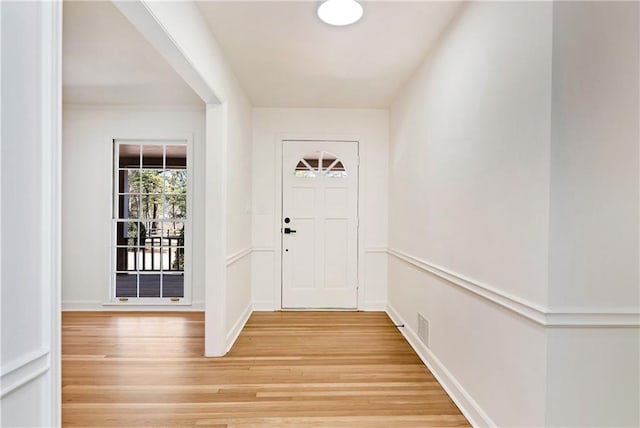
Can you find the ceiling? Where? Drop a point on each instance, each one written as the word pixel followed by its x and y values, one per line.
pixel 284 56
pixel 281 53
pixel 107 61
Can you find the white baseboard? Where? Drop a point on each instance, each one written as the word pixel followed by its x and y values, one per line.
pixel 467 405
pixel 375 306
pixel 371 306
pixel 235 331
pixel 82 305
pixel 264 306
pixel 99 306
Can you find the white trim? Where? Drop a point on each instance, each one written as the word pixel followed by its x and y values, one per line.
pixel 22 361
pixel 237 256
pixel 23 370
pixel 264 306
pixel 137 107
pixel 186 139
pixel 235 331
pixel 277 219
pixel 1 145
pixel 465 402
pixel 374 250
pixel 558 318
pixel 593 319
pixel 98 306
pixel 521 307
pixel 49 361
pixel 375 306
pixel 263 249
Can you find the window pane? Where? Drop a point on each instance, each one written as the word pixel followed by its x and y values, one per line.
pixel 313 163
pixel 151 181
pixel 175 206
pixel 172 285
pixel 327 160
pixel 132 181
pixel 172 232
pixel 149 285
pixel 175 181
pixel 128 181
pixel 127 259
pixel 152 156
pixel 336 170
pixel 151 206
pixel 151 259
pixel 128 206
pixel 128 232
pixel 304 174
pixel 154 239
pixel 176 229
pixel 172 259
pixel 176 157
pixel 126 284
pixel 129 156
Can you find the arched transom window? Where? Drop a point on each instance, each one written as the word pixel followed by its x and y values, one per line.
pixel 320 163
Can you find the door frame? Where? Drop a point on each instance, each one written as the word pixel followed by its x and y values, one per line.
pixel 277 222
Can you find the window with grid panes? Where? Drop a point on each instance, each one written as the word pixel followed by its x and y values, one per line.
pixel 150 212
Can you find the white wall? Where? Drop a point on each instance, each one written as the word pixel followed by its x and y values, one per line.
pixel 594 373
pixel 594 158
pixel 30 217
pixel 87 188
pixel 593 377
pixel 514 216
pixel 238 240
pixel 468 207
pixel 370 128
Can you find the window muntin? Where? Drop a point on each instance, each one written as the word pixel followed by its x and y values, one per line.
pixel 150 210
pixel 320 163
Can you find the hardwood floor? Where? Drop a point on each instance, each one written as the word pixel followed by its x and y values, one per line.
pixel 287 369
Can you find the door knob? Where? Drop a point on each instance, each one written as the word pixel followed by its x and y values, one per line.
pixel 288 230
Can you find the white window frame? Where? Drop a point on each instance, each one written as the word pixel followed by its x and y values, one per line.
pixel 188 236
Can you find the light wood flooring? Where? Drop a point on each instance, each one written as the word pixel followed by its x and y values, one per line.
pixel 287 369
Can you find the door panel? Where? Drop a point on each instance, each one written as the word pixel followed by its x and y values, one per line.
pixel 320 200
pixel 336 253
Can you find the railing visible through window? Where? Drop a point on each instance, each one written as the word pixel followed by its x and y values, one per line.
pixel 150 211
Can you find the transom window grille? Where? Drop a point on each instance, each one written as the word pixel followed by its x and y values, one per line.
pixel 150 212
pixel 320 163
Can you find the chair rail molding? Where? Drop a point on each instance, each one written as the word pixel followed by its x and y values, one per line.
pixel 239 255
pixel 556 318
pixel 22 371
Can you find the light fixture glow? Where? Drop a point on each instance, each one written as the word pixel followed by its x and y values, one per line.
pixel 340 12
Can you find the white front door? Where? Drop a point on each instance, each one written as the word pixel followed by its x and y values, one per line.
pixel 320 225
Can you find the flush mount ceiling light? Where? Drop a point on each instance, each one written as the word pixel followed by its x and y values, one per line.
pixel 340 12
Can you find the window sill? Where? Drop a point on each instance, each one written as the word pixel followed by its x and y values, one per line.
pixel 155 303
